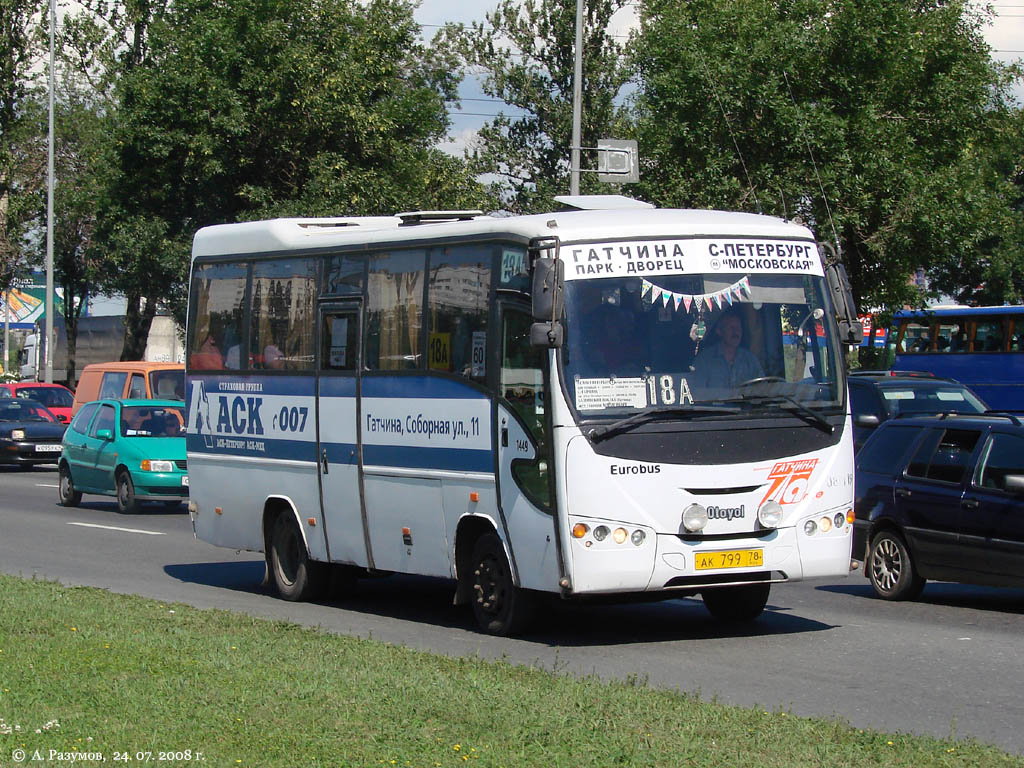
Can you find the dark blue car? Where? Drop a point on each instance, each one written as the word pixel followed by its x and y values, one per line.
pixel 941 498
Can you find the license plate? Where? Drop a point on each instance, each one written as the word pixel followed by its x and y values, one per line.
pixel 733 558
pixel 47 449
pixel 184 480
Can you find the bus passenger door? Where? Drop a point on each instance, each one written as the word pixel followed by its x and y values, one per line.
pixel 524 452
pixel 337 434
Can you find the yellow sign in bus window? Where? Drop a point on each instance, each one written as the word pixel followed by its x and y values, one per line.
pixel 439 352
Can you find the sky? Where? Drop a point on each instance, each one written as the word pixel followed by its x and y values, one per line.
pixel 1005 36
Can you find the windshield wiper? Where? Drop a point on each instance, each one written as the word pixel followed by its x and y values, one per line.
pixel 796 405
pixel 600 433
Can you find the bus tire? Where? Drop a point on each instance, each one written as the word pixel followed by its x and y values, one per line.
pixel 741 603
pixel 296 577
pixel 891 568
pixel 127 503
pixel 69 497
pixel 500 607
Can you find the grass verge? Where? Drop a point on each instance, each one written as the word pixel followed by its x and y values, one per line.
pixel 86 672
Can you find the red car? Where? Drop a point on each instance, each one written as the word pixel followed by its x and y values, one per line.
pixel 56 397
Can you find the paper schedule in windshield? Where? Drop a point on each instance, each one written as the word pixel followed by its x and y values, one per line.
pixel 601 394
pixel 631 392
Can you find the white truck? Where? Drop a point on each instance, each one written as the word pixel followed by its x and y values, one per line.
pixel 100 340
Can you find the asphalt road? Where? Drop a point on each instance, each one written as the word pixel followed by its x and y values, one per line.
pixel 950 664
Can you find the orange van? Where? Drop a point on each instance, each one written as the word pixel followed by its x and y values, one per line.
pixel 129 381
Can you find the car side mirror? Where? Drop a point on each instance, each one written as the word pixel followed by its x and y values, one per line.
pixel 866 420
pixel 1014 484
pixel 104 434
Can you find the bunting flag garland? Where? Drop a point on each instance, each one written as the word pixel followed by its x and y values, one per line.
pixel 738 291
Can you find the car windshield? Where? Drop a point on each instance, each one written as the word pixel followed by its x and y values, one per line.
pixel 168 384
pixel 19 411
pixel 51 397
pixel 754 340
pixel 152 421
pixel 922 398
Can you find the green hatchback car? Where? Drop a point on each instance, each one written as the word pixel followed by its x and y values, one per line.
pixel 132 449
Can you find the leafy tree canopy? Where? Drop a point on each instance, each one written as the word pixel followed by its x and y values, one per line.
pixel 883 123
pixel 525 52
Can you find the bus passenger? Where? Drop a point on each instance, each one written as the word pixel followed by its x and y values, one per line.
pixel 208 357
pixel 725 364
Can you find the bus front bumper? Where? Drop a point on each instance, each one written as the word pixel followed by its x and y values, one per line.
pixel 665 562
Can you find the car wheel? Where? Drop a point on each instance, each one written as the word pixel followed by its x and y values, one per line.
pixel 296 577
pixel 737 604
pixel 69 497
pixel 127 503
pixel 891 568
pixel 500 607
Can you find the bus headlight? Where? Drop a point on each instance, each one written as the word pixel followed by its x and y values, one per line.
pixel 601 532
pixel 839 519
pixel 638 537
pixel 770 514
pixel 695 517
pixel 810 527
pixel 619 535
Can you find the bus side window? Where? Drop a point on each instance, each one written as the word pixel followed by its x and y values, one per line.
pixel 283 298
pixel 988 336
pixel 458 301
pixel 394 310
pixel 218 324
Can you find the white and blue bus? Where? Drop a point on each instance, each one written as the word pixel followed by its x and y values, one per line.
pixel 614 401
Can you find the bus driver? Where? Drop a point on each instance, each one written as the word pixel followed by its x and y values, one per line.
pixel 725 364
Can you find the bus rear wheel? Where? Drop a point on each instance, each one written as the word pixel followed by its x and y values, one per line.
pixel 296 577
pixel 500 607
pixel 742 603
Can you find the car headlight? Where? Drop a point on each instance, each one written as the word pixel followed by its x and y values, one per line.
pixel 149 465
pixel 17 434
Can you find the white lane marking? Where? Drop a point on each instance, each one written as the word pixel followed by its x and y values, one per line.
pixel 115 528
pixel 46 485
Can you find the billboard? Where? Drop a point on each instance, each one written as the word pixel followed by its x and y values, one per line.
pixel 27 305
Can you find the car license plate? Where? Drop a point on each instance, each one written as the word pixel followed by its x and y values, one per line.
pixel 733 558
pixel 40 448
pixel 184 480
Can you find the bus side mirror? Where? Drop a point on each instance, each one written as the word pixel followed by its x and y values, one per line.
pixel 851 330
pixel 547 335
pixel 548 284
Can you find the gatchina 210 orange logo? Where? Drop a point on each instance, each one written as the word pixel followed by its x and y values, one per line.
pixel 789 481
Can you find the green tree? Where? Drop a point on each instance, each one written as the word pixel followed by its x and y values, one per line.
pixel 525 53
pixel 259 108
pixel 876 121
pixel 79 144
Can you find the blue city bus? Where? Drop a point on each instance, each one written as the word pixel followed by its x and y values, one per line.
pixel 982 347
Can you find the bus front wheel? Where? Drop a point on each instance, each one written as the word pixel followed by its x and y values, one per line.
pixel 741 603
pixel 296 577
pixel 501 608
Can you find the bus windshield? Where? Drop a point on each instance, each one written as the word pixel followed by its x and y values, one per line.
pixel 754 340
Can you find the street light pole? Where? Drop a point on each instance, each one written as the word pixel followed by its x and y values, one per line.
pixel 48 349
pixel 577 105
